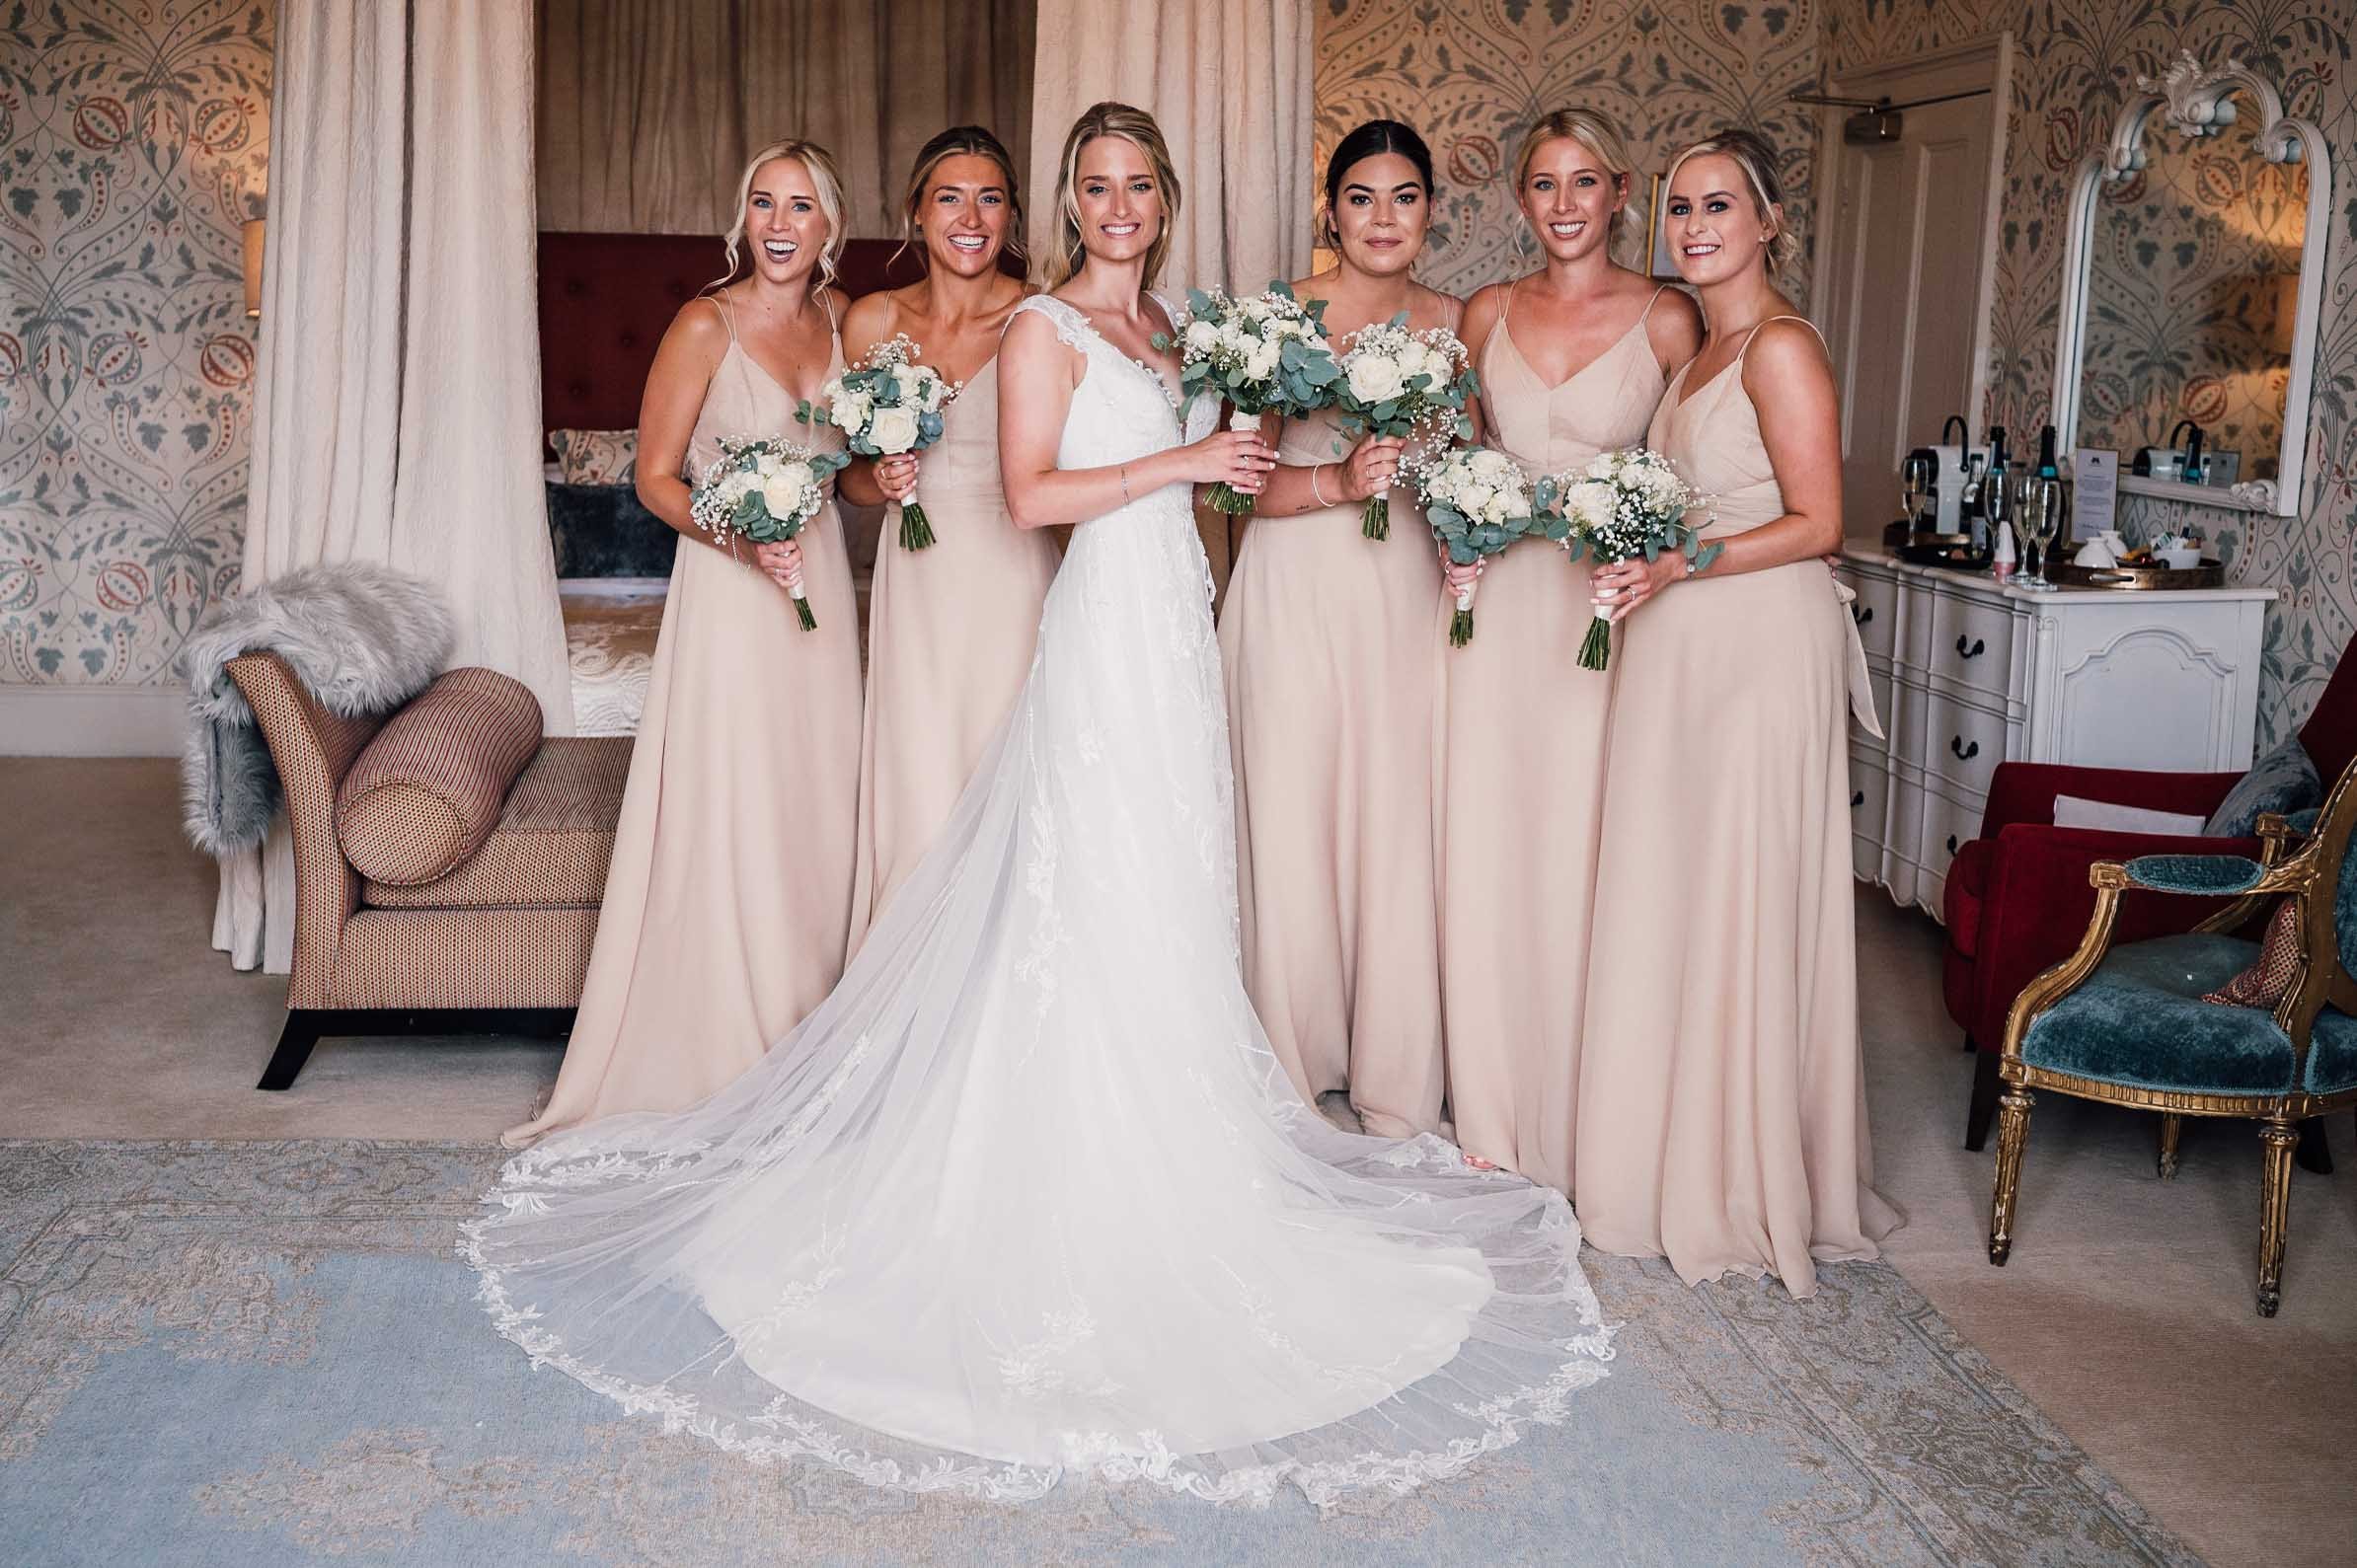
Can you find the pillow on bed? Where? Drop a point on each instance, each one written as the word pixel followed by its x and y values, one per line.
pixel 596 457
pixel 603 531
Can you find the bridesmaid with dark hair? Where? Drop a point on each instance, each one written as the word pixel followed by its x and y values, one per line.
pixel 950 627
pixel 1571 359
pixel 1326 636
pixel 1722 1102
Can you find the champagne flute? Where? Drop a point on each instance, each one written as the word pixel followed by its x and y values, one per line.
pixel 1997 505
pixel 2041 516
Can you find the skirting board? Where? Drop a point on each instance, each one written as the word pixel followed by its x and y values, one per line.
pixel 92 721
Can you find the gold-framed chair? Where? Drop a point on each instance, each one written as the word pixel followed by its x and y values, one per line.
pixel 2126 1025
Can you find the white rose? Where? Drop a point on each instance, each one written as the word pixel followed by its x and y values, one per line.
pixel 1589 503
pixel 783 493
pixel 894 431
pixel 1474 500
pixel 1492 467
pixel 1201 338
pixel 847 411
pixel 1261 362
pixel 1375 378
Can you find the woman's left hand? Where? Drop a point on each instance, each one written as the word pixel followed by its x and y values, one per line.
pixel 1625 584
pixel 896 477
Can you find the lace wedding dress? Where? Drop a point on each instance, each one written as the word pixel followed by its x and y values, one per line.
pixel 1029 1195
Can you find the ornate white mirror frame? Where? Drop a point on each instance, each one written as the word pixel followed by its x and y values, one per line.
pixel 2196 101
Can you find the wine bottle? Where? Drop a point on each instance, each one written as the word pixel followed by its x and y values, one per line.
pixel 2046 468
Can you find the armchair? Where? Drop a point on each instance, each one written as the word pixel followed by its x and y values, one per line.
pixel 2019 896
pixel 2123 1022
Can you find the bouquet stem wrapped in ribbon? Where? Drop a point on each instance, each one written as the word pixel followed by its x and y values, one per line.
pixel 1622 505
pixel 1264 353
pixel 1408 384
pixel 1477 503
pixel 764 490
pixel 886 405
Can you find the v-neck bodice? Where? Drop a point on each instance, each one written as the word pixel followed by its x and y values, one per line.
pixel 1713 439
pixel 1601 407
pixel 744 401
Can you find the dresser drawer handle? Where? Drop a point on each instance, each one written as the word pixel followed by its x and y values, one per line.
pixel 1978 647
pixel 1861 613
pixel 1857 798
pixel 1964 753
pixel 1951 843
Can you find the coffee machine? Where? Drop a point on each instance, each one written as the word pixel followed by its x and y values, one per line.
pixel 1937 474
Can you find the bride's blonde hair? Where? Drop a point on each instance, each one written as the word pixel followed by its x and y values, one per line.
pixel 826 183
pixel 1133 125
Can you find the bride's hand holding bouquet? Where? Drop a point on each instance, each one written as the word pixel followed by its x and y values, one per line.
pixel 764 492
pixel 1263 353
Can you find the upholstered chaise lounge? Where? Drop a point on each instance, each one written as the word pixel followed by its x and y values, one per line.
pixel 462 894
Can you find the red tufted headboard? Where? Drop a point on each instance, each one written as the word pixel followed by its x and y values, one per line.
pixel 606 300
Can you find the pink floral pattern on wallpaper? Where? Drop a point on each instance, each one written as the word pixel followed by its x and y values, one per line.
pixel 1473 75
pixel 133 143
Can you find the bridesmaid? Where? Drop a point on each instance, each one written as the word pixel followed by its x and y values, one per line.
pixel 951 628
pixel 1722 1105
pixel 1572 359
pixel 1323 638
pixel 727 907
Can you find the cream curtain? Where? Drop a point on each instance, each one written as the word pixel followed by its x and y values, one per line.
pixel 398 413
pixel 1230 83
pixel 648 108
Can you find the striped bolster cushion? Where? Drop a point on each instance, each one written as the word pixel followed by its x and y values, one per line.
pixel 428 791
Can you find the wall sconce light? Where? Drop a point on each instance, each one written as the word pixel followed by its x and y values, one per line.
pixel 253 238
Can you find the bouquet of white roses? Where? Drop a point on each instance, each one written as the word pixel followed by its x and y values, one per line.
pixel 1622 505
pixel 1399 383
pixel 886 405
pixel 1477 504
pixel 765 491
pixel 1264 353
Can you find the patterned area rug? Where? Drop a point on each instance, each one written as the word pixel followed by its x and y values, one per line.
pixel 239 1353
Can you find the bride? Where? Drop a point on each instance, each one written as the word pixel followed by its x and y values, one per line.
pixel 1029 1195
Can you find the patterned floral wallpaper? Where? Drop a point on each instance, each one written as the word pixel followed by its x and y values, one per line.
pixel 133 143
pixel 1473 75
pixel 2076 61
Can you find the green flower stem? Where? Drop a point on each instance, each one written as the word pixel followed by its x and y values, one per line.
pixel 1376 521
pixel 1460 629
pixel 801 610
pixel 1595 650
pixel 915 531
pixel 1225 498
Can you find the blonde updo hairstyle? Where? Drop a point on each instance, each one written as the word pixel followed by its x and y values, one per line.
pixel 1599 135
pixel 826 183
pixel 1133 125
pixel 959 141
pixel 1751 154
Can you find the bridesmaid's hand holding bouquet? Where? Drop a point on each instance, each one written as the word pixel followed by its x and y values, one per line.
pixel 764 492
pixel 1264 353
pixel 1622 505
pixel 1404 384
pixel 888 404
pixel 1477 503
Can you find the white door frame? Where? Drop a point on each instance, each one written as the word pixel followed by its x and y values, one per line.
pixel 1980 63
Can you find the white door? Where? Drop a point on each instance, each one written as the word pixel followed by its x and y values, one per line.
pixel 1905 259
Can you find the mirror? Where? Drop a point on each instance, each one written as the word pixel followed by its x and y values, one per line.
pixel 2194 277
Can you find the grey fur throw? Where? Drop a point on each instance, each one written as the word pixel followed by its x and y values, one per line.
pixel 362 638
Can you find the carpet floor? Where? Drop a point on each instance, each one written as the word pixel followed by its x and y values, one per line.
pixel 260 1353
pixel 2125 1315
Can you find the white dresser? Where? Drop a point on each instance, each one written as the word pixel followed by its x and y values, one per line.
pixel 1969 674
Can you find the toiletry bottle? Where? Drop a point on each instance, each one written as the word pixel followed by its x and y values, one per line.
pixel 2001 562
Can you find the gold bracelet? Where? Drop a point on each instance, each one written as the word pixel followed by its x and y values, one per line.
pixel 1314 490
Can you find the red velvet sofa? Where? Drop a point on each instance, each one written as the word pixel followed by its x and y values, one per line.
pixel 2017 896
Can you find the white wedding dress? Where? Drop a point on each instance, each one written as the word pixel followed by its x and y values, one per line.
pixel 1029 1195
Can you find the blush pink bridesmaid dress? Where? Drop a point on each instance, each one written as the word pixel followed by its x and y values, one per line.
pixel 727 908
pixel 950 631
pixel 1721 1102
pixel 1323 639
pixel 1519 771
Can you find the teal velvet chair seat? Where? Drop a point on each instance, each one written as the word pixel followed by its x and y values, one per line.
pixel 2127 1025
pixel 2139 1021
